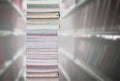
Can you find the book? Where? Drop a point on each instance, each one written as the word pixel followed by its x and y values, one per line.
pixel 41 56
pixel 44 52
pixel 43 34
pixel 42 5
pixel 41 67
pixel 41 70
pixel 41 40
pixel 54 31
pixel 38 15
pixel 38 27
pixel 41 79
pixel 43 75
pixel 41 45
pixel 43 37
pixel 43 9
pixel 42 21
pixel 41 50
pixel 43 2
pixel 42 62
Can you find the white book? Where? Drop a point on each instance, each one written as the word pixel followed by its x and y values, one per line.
pixel 41 70
pixel 37 27
pixel 38 53
pixel 42 40
pixel 42 47
pixel 42 50
pixel 42 37
pixel 42 31
pixel 42 21
pixel 42 79
pixel 42 63
pixel 48 57
pixel 43 9
pixel 43 2
pixel 42 43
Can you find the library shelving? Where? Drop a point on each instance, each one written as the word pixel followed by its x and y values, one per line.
pixel 89 40
pixel 42 40
pixel 12 40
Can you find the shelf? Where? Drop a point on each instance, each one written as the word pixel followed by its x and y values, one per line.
pixel 97 33
pixel 74 8
pixel 79 33
pixel 5 33
pixel 64 73
pixel 15 7
pixel 19 53
pixel 85 67
pixel 103 38
pixel 11 33
pixel 6 66
pixel 115 40
pixel 18 33
pixel 20 73
pixel 9 63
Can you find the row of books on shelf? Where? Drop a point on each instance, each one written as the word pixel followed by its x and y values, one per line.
pixel 42 79
pixel 94 18
pixel 42 57
pixel 42 28
pixel 42 68
pixel 43 6
pixel 43 9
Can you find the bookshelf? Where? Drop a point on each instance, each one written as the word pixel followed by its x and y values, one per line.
pixel 89 40
pixel 12 40
pixel 42 40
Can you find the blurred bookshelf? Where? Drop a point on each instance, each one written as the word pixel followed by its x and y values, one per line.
pixel 89 40
pixel 42 40
pixel 12 40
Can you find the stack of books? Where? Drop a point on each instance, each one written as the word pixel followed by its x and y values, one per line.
pixel 42 40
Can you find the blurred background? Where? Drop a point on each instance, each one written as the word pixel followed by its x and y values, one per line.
pixel 65 40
